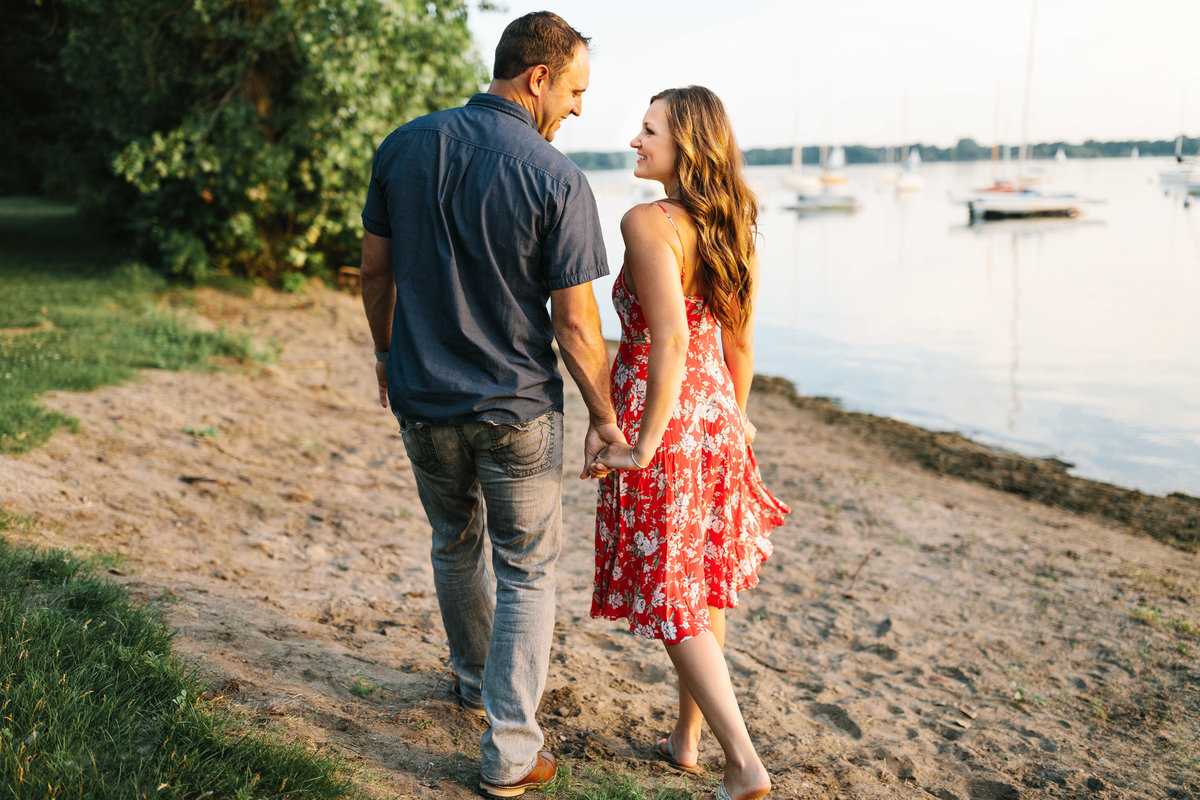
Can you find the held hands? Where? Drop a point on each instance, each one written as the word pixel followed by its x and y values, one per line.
pixel 615 456
pixel 598 438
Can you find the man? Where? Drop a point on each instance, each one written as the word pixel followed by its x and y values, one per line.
pixel 473 220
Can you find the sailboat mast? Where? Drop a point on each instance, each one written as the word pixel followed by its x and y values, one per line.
pixel 1024 151
pixel 996 136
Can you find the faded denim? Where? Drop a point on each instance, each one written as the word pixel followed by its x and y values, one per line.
pixel 502 483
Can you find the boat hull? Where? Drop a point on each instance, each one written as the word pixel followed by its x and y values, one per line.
pixel 996 207
pixel 824 201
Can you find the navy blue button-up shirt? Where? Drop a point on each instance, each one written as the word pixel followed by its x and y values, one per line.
pixel 486 218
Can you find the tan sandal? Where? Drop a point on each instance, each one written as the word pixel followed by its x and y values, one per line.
pixel 667 753
pixel 722 793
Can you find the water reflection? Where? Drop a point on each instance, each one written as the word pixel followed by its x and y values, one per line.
pixel 1014 329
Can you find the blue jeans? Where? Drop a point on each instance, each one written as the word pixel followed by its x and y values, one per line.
pixel 502 483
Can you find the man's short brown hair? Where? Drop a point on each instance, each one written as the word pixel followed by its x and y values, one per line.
pixel 540 37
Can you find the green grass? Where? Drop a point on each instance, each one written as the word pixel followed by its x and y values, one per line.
pixel 80 316
pixel 94 705
pixel 1149 615
pixel 599 782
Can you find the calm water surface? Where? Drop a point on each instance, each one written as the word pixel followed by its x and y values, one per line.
pixel 1073 338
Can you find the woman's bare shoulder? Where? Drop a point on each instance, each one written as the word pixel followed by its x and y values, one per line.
pixel 643 214
pixel 648 219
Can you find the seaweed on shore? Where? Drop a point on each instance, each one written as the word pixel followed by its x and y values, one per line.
pixel 1173 519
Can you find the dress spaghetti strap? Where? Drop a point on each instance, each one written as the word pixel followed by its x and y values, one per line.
pixel 682 252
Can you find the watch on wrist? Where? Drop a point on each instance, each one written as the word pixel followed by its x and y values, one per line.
pixel 381 355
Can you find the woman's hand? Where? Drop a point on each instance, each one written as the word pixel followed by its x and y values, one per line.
pixel 598 437
pixel 615 456
pixel 750 430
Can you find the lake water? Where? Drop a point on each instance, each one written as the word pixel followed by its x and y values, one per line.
pixel 1075 338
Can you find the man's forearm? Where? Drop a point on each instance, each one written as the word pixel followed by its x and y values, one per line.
pixel 577 329
pixel 586 359
pixel 378 288
pixel 379 301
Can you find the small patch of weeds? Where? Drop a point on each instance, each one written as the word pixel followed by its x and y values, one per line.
pixel 1021 695
pixel 1186 627
pixel 1147 615
pixel 15 522
pixel 209 432
pixel 600 782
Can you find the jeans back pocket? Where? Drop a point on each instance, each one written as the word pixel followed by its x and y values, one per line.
pixel 528 448
pixel 418 443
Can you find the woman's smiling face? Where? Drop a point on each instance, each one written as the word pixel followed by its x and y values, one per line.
pixel 655 146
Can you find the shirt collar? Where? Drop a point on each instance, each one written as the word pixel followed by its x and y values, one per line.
pixel 503 104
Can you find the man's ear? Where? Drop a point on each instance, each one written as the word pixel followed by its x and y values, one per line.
pixel 538 79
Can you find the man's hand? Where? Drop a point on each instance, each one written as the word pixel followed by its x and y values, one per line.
pixel 381 377
pixel 599 437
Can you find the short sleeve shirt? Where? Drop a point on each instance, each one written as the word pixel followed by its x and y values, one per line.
pixel 485 218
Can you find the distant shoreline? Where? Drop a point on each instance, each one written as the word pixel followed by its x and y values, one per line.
pixel 964 150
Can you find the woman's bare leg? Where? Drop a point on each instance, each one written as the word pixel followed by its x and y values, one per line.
pixel 685 738
pixel 702 669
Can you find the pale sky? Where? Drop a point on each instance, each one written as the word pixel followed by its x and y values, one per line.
pixel 880 72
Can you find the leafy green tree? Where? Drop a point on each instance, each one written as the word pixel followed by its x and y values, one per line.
pixel 969 150
pixel 235 136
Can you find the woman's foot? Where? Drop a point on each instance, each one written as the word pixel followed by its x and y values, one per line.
pixel 723 794
pixel 748 784
pixel 666 751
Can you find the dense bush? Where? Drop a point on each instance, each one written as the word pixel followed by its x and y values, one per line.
pixel 236 135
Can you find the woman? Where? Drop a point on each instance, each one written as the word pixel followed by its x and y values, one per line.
pixel 682 518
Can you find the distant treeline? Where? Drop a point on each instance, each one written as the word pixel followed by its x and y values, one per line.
pixel 965 150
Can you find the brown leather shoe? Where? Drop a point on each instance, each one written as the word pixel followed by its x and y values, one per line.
pixel 544 770
pixel 475 709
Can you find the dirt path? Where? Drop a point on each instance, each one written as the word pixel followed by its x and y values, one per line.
pixel 914 635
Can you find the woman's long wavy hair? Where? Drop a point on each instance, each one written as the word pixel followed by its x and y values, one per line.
pixel 708 168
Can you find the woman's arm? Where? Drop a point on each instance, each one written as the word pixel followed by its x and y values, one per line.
pixel 652 274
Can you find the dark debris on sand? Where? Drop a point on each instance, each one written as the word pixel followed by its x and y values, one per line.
pixel 1174 519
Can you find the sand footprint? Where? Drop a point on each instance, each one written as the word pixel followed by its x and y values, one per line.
pixel 834 717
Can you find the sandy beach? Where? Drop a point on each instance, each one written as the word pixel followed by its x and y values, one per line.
pixel 918 632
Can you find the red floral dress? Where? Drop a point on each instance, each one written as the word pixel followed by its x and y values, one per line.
pixel 691 530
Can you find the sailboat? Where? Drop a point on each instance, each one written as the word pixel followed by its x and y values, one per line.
pixel 1184 170
pixel 799 181
pixel 832 164
pixel 910 180
pixel 1019 199
pixel 813 192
